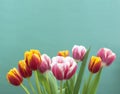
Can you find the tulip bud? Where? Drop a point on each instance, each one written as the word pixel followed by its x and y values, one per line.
pixel 24 69
pixel 94 64
pixel 107 56
pixel 78 52
pixel 14 77
pixel 64 53
pixel 33 59
pixel 45 64
pixel 63 68
pixel 72 67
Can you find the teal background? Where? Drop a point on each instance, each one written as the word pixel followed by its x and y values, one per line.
pixel 53 25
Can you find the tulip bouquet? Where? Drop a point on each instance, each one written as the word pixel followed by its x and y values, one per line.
pixel 62 74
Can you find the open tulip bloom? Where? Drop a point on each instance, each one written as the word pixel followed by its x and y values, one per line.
pixel 61 74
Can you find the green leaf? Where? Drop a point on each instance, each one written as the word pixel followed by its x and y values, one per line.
pixel 48 82
pixel 69 85
pixel 37 82
pixel 95 83
pixel 72 83
pixel 52 84
pixel 87 87
pixel 81 73
pixel 63 91
pixel 67 91
pixel 41 76
pixel 84 87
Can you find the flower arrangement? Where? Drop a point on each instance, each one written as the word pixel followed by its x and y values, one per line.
pixel 61 74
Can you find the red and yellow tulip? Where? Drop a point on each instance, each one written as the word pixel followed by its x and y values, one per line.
pixel 14 77
pixel 33 59
pixel 63 53
pixel 24 69
pixel 95 64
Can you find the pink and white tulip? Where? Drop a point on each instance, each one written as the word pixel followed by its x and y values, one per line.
pixel 107 56
pixel 45 64
pixel 63 68
pixel 78 52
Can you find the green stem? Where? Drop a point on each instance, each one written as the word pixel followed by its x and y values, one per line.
pixel 61 87
pixel 48 83
pixel 88 83
pixel 95 83
pixel 31 86
pixel 25 89
pixel 80 74
pixel 37 82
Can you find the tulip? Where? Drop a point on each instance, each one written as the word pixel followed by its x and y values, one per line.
pixel 94 64
pixel 24 69
pixel 45 65
pixel 107 56
pixel 33 59
pixel 64 53
pixel 63 68
pixel 14 77
pixel 78 52
pixel 72 67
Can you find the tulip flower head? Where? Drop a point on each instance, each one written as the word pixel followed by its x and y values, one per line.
pixel 107 56
pixel 14 77
pixel 33 59
pixel 63 68
pixel 78 52
pixel 46 63
pixel 95 64
pixel 64 53
pixel 24 69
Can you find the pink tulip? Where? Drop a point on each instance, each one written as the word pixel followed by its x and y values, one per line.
pixel 107 56
pixel 78 52
pixel 45 64
pixel 63 68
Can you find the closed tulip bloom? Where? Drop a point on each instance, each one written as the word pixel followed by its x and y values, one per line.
pixel 78 52
pixel 14 77
pixel 64 53
pixel 63 68
pixel 107 56
pixel 33 59
pixel 24 69
pixel 94 64
pixel 46 63
pixel 72 67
